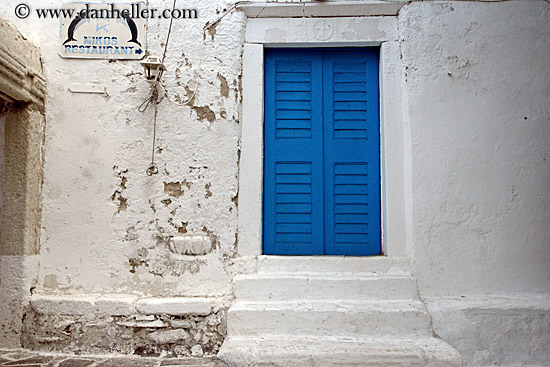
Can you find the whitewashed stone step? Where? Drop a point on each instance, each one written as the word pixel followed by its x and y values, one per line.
pixel 334 318
pixel 331 264
pixel 329 286
pixel 308 351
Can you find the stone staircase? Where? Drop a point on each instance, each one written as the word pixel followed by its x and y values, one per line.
pixel 331 311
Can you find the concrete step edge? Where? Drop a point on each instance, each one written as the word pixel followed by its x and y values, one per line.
pixel 400 305
pixel 336 276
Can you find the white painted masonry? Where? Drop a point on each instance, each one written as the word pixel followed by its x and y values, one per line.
pixel 466 180
pixel 332 310
pixel 478 108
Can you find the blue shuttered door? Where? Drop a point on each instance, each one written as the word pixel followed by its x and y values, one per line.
pixel 321 161
pixel 351 153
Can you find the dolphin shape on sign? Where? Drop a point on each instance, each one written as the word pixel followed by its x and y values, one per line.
pixel 133 29
pixel 72 29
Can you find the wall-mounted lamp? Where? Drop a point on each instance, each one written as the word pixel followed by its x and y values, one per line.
pixel 153 68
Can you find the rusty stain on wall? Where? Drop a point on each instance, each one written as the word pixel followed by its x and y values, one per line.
pixel 208 193
pixel 204 112
pixel 211 31
pixel 131 234
pixel 214 239
pixel 183 228
pixel 224 87
pixel 122 201
pixel 135 262
pixel 239 90
pixel 189 95
pixel 175 189
pixel 117 194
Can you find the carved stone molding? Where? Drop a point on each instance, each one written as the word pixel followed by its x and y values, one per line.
pixel 21 76
pixel 294 9
pixel 190 245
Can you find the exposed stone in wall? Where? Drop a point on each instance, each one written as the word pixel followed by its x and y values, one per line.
pixel 21 175
pixel 146 335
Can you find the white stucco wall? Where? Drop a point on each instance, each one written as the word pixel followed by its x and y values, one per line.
pixel 476 83
pixel 475 86
pixel 477 80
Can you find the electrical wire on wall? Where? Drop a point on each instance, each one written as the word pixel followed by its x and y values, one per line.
pixel 155 100
pixel 155 97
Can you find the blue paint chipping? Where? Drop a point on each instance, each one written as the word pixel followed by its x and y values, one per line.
pixel 322 152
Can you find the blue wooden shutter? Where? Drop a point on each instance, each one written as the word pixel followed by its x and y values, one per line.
pixel 351 153
pixel 293 164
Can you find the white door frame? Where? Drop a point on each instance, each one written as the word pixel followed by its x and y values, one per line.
pixel 395 138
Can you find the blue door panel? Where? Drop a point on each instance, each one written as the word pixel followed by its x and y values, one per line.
pixel 293 172
pixel 351 153
pixel 321 155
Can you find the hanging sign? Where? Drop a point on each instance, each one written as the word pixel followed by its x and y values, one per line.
pixel 102 31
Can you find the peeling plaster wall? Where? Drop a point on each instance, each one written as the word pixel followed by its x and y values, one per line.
pixel 106 223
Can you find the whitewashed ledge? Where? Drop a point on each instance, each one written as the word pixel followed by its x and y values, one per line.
pixel 322 9
pixel 506 328
pixel 122 305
